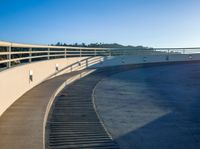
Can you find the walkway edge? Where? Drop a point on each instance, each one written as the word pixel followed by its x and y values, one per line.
pixel 50 103
pixel 95 109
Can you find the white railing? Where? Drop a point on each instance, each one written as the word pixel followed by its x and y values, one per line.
pixel 153 51
pixel 12 54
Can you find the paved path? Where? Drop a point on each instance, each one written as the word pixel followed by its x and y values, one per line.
pixel 74 123
pixel 21 126
pixel 152 108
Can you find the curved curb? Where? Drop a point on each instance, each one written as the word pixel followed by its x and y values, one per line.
pixel 95 109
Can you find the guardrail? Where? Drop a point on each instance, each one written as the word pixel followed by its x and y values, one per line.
pixel 12 54
pixel 153 51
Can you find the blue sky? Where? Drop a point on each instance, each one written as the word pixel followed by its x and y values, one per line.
pixel 154 23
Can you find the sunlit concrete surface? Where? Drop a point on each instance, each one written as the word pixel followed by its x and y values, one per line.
pixel 14 82
pixel 21 126
pixel 152 108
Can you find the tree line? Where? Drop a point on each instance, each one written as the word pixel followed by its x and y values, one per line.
pixel 103 45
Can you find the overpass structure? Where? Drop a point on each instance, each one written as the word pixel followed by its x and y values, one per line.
pixel 46 91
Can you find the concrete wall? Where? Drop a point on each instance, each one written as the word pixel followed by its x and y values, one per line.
pixel 14 82
pixel 136 59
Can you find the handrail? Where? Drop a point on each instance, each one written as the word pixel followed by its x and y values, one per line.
pixel 12 54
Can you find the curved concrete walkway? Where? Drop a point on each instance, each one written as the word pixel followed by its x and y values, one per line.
pixel 21 126
pixel 152 108
pixel 73 122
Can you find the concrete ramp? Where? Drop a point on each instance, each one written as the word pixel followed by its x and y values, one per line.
pixel 21 126
pixel 73 122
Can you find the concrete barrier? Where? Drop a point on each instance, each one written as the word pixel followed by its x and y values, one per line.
pixel 140 59
pixel 16 81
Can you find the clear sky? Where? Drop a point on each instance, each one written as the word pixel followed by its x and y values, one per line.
pixel 154 23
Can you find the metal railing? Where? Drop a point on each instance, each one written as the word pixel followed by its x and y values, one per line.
pixel 153 51
pixel 12 54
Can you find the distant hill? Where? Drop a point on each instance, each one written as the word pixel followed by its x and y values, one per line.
pixel 103 45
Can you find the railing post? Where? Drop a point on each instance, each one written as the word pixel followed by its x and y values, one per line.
pixel 30 55
pixel 109 52
pixel 48 54
pixel 80 53
pixel 167 58
pixel 65 53
pixel 9 56
pixel 95 52
pixel 183 51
